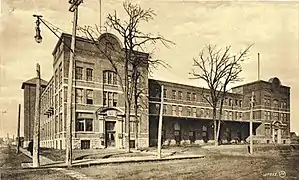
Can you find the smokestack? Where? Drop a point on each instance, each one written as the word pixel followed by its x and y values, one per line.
pixel 258 67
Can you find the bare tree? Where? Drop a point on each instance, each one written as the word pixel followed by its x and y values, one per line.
pixel 218 69
pixel 131 55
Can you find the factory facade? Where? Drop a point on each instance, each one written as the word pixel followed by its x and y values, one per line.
pixel 98 106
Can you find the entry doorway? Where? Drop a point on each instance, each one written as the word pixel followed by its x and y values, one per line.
pixel 177 133
pixel 110 133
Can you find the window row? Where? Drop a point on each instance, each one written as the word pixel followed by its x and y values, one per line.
pixel 268 115
pixel 109 77
pixel 58 77
pixel 84 124
pixel 79 74
pixel 232 102
pixel 110 99
pixel 275 103
pixel 193 97
pixel 230 115
pixel 81 98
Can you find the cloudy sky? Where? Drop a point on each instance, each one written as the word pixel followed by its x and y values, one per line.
pixel 271 26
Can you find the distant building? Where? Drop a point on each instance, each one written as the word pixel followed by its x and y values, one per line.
pixel 29 107
pixel 98 106
pixel 187 115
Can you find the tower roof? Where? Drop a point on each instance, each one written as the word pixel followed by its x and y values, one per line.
pixel 33 82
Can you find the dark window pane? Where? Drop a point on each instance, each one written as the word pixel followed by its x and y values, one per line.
pixel 88 124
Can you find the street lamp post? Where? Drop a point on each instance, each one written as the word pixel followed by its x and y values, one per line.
pixel 73 8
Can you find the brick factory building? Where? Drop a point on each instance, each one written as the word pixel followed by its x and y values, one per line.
pixel 98 106
pixel 29 107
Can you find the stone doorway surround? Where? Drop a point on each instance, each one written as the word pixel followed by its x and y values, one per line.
pixel 111 114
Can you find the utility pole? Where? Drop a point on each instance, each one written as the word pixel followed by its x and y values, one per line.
pixel 18 131
pixel 36 137
pixel 73 8
pixel 160 122
pixel 251 119
pixel 258 67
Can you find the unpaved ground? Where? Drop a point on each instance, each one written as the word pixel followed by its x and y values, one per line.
pixel 220 167
pixel 10 168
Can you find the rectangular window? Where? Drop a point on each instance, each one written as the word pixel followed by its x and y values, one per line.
pixel 267 101
pixel 132 127
pixel 240 115
pixel 230 115
pixel 194 112
pixel 230 102
pixel 110 99
pixel 165 93
pixel 240 103
pixel 164 109
pixel 60 74
pixel 188 96
pixel 110 77
pixel 173 110
pixel 267 131
pixel 275 115
pixel 56 124
pixel 105 97
pixel 180 110
pixel 60 122
pixel 189 111
pixel 65 94
pixel 236 102
pixel 180 95
pixel 114 79
pixel 84 125
pixel 236 115
pixel 283 105
pixel 275 103
pixel 193 96
pixel 89 96
pixel 207 113
pixel 89 74
pixel 115 97
pixel 225 115
pixel 60 98
pixel 105 77
pixel 79 95
pixel 79 73
pixel 56 101
pixel 80 125
pixel 56 80
pixel 173 94
pixel 202 112
pixel 88 125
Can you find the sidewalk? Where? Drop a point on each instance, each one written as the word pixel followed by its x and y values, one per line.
pixel 166 156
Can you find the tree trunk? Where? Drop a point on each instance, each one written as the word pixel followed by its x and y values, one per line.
pixel 127 125
pixel 215 125
pixel 220 118
pixel 136 106
pixel 136 125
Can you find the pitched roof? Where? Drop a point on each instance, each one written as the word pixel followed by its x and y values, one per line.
pixel 33 82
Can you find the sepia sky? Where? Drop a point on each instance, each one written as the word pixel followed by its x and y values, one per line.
pixel 271 26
